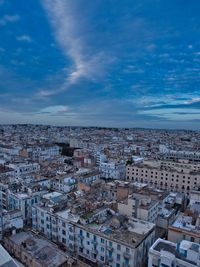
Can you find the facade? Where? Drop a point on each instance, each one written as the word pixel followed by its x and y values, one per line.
pixel 112 170
pixel 23 202
pixel 63 184
pixel 168 254
pixel 10 220
pixel 97 239
pixel 195 195
pixel 193 156
pixel 185 228
pixel 24 168
pixel 163 177
pixel 139 206
pixel 34 251
pixel 43 152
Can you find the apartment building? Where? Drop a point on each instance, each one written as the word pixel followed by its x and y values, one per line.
pixel 23 201
pixel 112 170
pixel 12 150
pixel 192 156
pixel 33 250
pixel 10 220
pixel 87 176
pixel 24 168
pixel 98 238
pixel 40 152
pixel 158 175
pixel 185 228
pixel 139 206
pixel 169 254
pixel 195 196
pixel 63 183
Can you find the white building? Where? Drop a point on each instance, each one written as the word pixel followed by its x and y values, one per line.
pixel 63 184
pixel 9 220
pixel 24 201
pixel 94 239
pixel 193 156
pixel 168 254
pixel 139 206
pixel 24 168
pixel 113 170
pixel 195 195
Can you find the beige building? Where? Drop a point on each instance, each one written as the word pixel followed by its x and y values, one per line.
pixel 172 176
pixel 195 195
pixel 185 228
pixel 35 251
pixel 139 206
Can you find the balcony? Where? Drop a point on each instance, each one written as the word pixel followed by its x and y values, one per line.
pixel 110 259
pixel 81 237
pixel 94 242
pixel 127 255
pixel 110 249
pixel 81 245
pixel 94 250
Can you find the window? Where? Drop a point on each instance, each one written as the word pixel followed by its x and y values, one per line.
pixel 63 240
pixel 118 257
pixel 63 232
pixel 88 235
pixel 102 240
pixel 102 258
pixel 118 247
pixel 102 249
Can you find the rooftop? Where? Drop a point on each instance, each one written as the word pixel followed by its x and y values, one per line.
pixel 41 249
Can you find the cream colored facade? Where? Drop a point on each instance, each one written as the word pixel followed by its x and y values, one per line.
pixel 139 206
pixel 184 228
pixel 164 176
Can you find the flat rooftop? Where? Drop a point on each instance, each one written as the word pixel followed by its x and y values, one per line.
pixel 131 232
pixel 163 245
pixel 39 248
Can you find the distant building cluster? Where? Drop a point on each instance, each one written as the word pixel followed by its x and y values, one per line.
pixel 72 196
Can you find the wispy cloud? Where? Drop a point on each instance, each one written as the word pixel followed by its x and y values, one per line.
pixel 72 42
pixel 24 38
pixel 192 101
pixel 9 19
pixel 55 110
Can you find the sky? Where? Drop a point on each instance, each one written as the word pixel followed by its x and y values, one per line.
pixel 110 63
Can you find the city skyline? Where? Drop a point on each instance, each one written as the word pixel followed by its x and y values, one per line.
pixel 100 63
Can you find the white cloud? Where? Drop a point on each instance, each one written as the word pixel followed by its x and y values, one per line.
pixel 55 110
pixel 24 38
pixel 66 30
pixel 9 19
pixel 173 114
pixel 192 101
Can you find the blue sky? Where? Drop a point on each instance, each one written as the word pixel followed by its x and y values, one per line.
pixel 123 63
